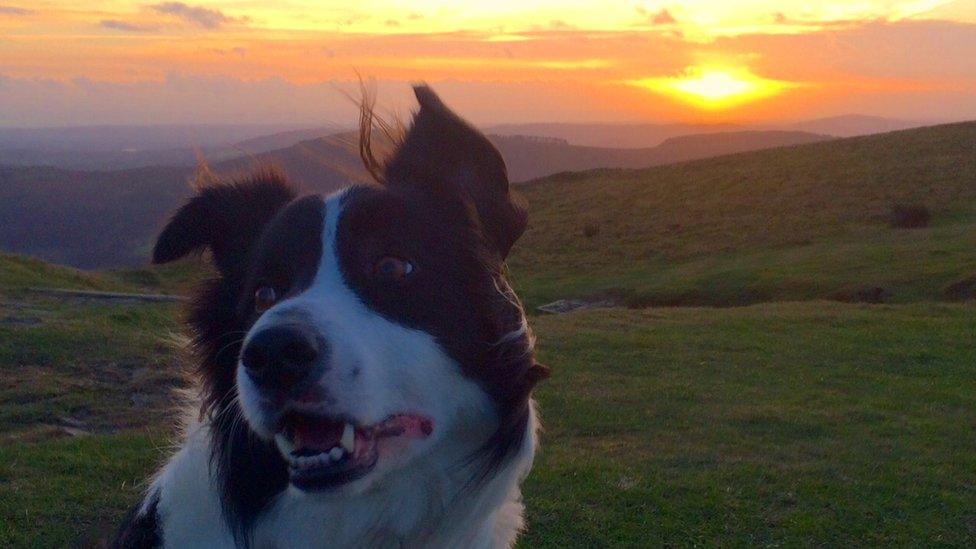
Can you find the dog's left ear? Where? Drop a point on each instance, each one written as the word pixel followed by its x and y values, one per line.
pixel 226 218
pixel 444 153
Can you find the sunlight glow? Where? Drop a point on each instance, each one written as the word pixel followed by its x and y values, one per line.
pixel 713 87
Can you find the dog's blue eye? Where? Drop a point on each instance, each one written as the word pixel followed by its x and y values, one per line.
pixel 264 298
pixel 392 269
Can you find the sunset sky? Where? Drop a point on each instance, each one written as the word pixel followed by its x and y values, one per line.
pixel 67 62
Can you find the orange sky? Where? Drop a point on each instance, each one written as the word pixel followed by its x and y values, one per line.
pixel 74 62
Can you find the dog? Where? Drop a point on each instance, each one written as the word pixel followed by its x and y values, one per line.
pixel 367 370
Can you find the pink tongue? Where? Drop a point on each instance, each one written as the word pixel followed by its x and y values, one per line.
pixel 408 426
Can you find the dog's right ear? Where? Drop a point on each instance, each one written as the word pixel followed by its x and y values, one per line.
pixel 226 218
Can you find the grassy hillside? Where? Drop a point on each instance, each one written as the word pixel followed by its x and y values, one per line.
pixel 530 157
pixel 810 424
pixel 780 424
pixel 799 222
pixel 18 273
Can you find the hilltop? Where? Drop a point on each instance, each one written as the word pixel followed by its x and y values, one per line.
pixel 326 163
pixel 802 222
pixel 643 135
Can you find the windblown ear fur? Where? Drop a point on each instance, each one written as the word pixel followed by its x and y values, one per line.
pixel 226 218
pixel 446 154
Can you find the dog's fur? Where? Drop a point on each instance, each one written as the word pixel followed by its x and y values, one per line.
pixel 449 341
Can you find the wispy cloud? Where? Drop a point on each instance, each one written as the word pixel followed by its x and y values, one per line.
pixel 13 10
pixel 200 16
pixel 116 24
pixel 663 17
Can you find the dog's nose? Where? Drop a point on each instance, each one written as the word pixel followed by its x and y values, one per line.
pixel 280 357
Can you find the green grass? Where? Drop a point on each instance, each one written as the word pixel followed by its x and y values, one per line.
pixel 73 491
pixel 780 425
pixel 178 278
pixel 916 265
pixel 18 273
pixel 793 223
pixel 106 366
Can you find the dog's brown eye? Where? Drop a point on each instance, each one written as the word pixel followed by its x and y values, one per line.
pixel 392 269
pixel 264 298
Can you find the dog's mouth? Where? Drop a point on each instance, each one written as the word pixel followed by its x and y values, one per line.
pixel 324 452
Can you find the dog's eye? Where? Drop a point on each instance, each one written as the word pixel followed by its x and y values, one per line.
pixel 392 269
pixel 264 298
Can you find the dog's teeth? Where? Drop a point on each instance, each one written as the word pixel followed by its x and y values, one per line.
pixel 284 445
pixel 348 438
pixel 336 453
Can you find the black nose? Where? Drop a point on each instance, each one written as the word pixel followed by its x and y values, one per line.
pixel 280 357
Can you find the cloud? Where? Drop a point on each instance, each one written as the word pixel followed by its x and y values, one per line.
pixel 13 10
pixel 663 17
pixel 238 51
pixel 200 16
pixel 116 24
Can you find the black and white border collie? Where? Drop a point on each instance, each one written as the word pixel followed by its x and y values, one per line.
pixel 366 368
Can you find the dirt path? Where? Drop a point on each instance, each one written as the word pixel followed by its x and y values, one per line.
pixel 112 296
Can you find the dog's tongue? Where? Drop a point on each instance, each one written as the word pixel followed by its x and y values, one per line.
pixel 405 425
pixel 317 435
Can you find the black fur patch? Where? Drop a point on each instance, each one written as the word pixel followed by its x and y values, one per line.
pixel 448 209
pixel 226 219
pixel 140 531
pixel 255 237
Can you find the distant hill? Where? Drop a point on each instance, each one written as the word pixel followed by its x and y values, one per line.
pixel 86 219
pixel 619 135
pixel 852 125
pixel 122 148
pixel 282 140
pixel 316 165
pixel 531 157
pixel 641 135
pixel 803 222
pixel 113 160
pixel 129 147
pixel 118 138
pixel 330 162
pixel 103 219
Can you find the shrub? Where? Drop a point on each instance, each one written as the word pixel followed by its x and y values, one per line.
pixel 962 289
pixel 862 294
pixel 909 216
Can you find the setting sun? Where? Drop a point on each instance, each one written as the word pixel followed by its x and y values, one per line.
pixel 714 88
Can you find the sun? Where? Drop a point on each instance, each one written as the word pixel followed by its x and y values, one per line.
pixel 714 87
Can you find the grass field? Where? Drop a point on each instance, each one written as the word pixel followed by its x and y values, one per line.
pixel 778 415
pixel 776 424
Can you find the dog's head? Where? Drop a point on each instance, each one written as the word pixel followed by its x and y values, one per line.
pixel 365 331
